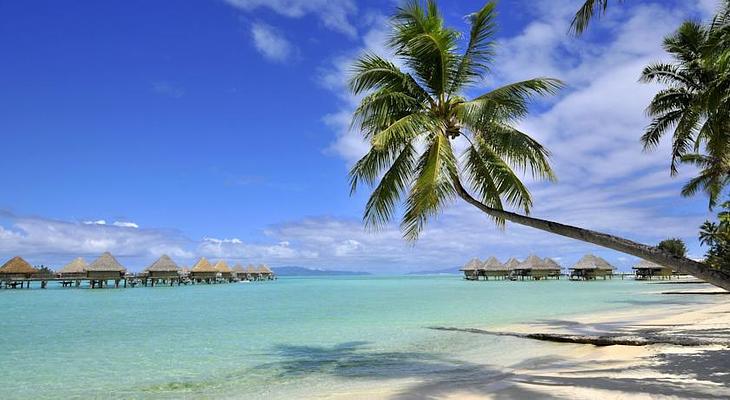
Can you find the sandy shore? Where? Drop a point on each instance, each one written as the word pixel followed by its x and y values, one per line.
pixel 545 370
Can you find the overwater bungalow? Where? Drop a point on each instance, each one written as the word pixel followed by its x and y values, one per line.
pixel 536 268
pixel 203 271
pixel 223 269
pixel 238 271
pixel 590 267
pixel 104 269
pixel 648 270
pixel 550 268
pixel 164 269
pixel 251 273
pixel 493 268
pixel 75 269
pixel 471 269
pixel 16 271
pixel 265 273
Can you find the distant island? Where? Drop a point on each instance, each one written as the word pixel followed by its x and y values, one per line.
pixel 444 271
pixel 302 271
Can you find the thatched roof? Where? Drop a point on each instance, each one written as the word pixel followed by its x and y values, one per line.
pixel 250 269
pixel 531 262
pixel 106 263
pixel 550 264
pixel 74 267
pixel 17 265
pixel 222 266
pixel 238 268
pixel 589 261
pixel 492 264
pixel 163 264
pixel 473 265
pixel 512 263
pixel 643 264
pixel 203 266
pixel 264 269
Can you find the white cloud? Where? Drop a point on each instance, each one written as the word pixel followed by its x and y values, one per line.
pixel 349 143
pixel 55 242
pixel 125 224
pixel 97 222
pixel 333 14
pixel 270 42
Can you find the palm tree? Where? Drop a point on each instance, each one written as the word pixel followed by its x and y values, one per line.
pixel 413 115
pixel 585 14
pixel 694 106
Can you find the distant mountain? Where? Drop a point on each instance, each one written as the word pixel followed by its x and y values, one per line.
pixel 301 271
pixel 445 271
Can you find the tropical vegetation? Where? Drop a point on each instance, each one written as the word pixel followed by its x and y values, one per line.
pixel 415 112
pixel 695 105
pixel 674 246
pixel 584 15
pixel 716 235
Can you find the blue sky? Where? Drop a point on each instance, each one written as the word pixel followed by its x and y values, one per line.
pixel 218 128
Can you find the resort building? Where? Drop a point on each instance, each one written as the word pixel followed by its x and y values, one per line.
pixel 222 268
pixel 103 269
pixel 494 269
pixel 251 273
pixel 76 269
pixel 648 270
pixel 536 268
pixel 471 269
pixel 265 273
pixel 16 271
pixel 165 270
pixel 591 267
pixel 512 264
pixel 238 272
pixel 203 271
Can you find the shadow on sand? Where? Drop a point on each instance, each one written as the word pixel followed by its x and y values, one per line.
pixel 434 376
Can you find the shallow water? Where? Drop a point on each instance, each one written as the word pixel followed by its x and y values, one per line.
pixel 295 337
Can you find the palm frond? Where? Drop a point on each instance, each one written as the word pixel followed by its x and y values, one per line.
pixel 385 197
pixel 432 188
pixel 477 57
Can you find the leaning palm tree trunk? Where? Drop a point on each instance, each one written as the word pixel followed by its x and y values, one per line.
pixel 716 277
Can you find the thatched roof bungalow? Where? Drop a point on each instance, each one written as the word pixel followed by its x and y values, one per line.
pixel 163 268
pixel 17 268
pixel 223 268
pixel 75 269
pixel 591 267
pixel 648 270
pixel 265 272
pixel 471 269
pixel 203 270
pixel 251 272
pixel 493 268
pixel 512 264
pixel 535 267
pixel 105 267
pixel 238 271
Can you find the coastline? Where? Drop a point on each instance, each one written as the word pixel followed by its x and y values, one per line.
pixel 549 370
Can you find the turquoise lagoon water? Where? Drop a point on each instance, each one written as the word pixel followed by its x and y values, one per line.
pixel 292 338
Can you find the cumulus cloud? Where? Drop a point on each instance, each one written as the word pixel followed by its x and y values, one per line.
pixel 270 42
pixel 55 241
pixel 333 14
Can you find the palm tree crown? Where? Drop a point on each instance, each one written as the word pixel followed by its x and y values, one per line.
pixel 412 116
pixel 695 104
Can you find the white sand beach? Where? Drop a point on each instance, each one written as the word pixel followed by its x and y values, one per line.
pixel 583 371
